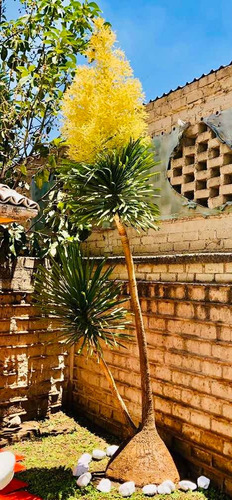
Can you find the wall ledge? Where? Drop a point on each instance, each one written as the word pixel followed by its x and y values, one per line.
pixel 170 258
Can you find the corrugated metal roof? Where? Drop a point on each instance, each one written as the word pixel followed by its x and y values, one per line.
pixel 9 196
pixel 165 94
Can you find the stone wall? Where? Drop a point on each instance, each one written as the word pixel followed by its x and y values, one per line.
pixel 33 372
pixel 188 326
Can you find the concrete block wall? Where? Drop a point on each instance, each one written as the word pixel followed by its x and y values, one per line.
pixel 33 361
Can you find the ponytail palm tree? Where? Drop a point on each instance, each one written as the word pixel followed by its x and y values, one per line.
pixel 78 292
pixel 116 188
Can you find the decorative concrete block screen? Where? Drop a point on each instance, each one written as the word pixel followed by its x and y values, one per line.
pixel 201 167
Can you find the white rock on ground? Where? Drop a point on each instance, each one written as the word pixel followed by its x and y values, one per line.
pixel 170 484
pixel 80 469
pixel 186 485
pixel 104 486
pixel 84 459
pixel 150 490
pixel 111 450
pixel 98 454
pixel 164 489
pixel 127 489
pixel 84 480
pixel 203 482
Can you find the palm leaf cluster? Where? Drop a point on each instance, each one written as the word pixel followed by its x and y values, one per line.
pixel 78 292
pixel 117 183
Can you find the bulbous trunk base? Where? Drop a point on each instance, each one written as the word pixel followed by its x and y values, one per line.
pixel 145 459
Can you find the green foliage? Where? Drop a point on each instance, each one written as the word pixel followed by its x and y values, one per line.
pixel 37 61
pixel 51 229
pixel 118 183
pixel 53 226
pixel 38 54
pixel 78 292
pixel 12 240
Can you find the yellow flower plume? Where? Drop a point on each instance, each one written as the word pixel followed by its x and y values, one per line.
pixel 103 108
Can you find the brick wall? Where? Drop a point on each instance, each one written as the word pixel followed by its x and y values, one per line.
pixel 186 235
pixel 33 372
pixel 185 276
pixel 188 326
pixel 197 100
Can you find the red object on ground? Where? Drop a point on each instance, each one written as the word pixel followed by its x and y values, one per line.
pixel 10 491
pixel 20 495
pixel 14 485
pixel 19 467
pixel 19 458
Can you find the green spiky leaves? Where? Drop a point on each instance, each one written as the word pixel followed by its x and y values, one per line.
pixel 118 183
pixel 77 291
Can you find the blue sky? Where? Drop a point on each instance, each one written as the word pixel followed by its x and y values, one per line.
pixel 169 42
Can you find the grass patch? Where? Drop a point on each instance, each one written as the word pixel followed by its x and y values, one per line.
pixel 50 459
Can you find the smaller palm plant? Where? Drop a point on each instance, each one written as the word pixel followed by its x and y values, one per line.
pixel 77 291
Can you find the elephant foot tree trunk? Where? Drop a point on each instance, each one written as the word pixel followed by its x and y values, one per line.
pixel 145 458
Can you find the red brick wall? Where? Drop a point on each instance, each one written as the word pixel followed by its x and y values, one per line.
pixel 33 372
pixel 188 327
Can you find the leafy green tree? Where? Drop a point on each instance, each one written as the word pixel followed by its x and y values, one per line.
pixel 37 62
pixel 116 188
pixel 78 292
pixel 38 53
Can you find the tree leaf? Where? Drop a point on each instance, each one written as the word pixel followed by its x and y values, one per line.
pixel 4 53
pixel 23 169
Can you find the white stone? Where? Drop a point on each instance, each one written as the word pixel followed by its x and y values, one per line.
pixel 84 480
pixel 80 469
pixel 186 485
pixel 7 463
pixel 164 489
pixel 150 490
pixel 84 459
pixel 127 489
pixel 15 421
pixel 203 482
pixel 170 484
pixel 104 486
pixel 111 450
pixel 98 454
